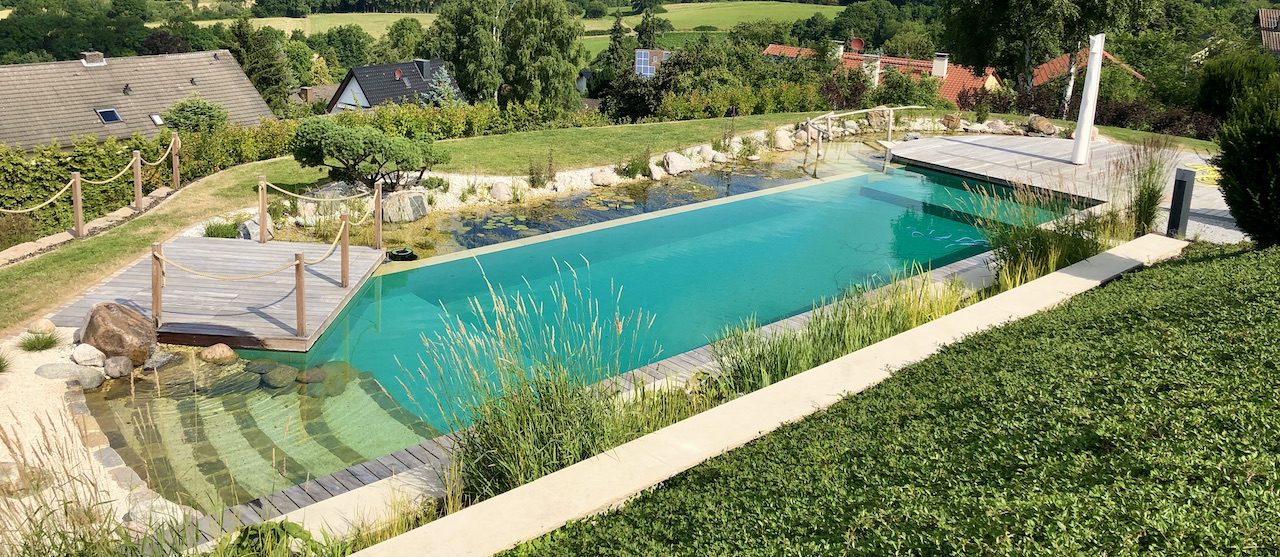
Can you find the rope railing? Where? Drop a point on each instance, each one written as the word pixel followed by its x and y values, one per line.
pixel 318 199
pixel 37 207
pixel 77 180
pixel 336 240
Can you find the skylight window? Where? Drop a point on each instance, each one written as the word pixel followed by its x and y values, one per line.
pixel 157 120
pixel 108 115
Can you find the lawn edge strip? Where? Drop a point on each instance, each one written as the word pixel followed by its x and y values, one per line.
pixel 608 480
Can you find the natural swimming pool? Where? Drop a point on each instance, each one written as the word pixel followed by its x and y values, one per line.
pixel 696 269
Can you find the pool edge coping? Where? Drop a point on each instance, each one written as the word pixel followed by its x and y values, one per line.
pixel 606 481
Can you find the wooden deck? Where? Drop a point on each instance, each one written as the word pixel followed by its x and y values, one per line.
pixel 255 313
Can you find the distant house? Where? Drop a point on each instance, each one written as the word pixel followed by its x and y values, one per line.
pixel 365 87
pixel 1269 22
pixel 117 96
pixel 314 93
pixel 955 78
pixel 1058 67
pixel 648 61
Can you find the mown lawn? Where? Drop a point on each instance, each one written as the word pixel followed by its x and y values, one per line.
pixel 375 24
pixel 1138 419
pixel 723 15
pixel 511 154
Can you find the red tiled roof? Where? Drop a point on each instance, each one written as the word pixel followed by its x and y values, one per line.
pixel 1269 23
pixel 958 78
pixel 1057 67
pixel 1269 19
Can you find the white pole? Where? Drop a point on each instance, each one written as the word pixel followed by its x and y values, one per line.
pixel 1088 101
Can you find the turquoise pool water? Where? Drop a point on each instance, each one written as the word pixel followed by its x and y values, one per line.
pixel 697 271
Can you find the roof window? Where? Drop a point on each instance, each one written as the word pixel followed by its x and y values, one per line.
pixel 108 115
pixel 157 120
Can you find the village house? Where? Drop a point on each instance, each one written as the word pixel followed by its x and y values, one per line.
pixel 102 97
pixel 365 87
pixel 1057 68
pixel 648 60
pixel 955 78
pixel 1269 24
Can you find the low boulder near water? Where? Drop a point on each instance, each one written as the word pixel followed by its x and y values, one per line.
pixel 119 331
pixel 117 367
pixel 280 377
pixel 1038 123
pixel 90 378
pixel 603 178
pixel 250 230
pixel 87 355
pixel 500 191
pixel 676 164
pixel 782 141
pixel 404 206
pixel 219 354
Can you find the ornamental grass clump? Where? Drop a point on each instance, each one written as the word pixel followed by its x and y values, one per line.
pixel 522 379
pixel 751 358
pixel 39 342
pixel 1144 171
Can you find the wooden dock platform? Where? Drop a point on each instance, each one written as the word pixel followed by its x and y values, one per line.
pixel 256 313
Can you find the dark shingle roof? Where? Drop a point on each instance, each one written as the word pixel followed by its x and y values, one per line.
pixel 59 100
pixel 1269 22
pixel 379 83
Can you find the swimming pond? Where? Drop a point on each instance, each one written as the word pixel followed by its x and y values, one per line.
pixel 694 271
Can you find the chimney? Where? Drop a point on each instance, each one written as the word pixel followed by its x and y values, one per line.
pixel 838 51
pixel 423 67
pixel 940 64
pixel 305 93
pixel 871 65
pixel 92 58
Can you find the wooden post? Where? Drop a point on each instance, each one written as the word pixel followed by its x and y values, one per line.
pixel 300 292
pixel 889 128
pixel 377 216
pixel 346 251
pixel 830 130
pixel 262 209
pixel 157 282
pixel 77 205
pixel 817 132
pixel 177 166
pixel 137 180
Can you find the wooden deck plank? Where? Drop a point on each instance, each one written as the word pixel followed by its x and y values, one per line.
pixel 254 313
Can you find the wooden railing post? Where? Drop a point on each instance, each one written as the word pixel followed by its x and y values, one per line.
pixel 157 282
pixel 377 216
pixel 300 292
pixel 346 251
pixel 137 180
pixel 177 166
pixel 77 205
pixel 889 128
pixel 262 209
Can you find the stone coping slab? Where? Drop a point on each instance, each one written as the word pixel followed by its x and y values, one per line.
pixel 610 479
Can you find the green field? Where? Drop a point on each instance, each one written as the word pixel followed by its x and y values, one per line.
pixel 723 15
pixel 669 41
pixel 5 13
pixel 374 24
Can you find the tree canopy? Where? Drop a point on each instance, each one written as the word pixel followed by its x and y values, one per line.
pixel 361 154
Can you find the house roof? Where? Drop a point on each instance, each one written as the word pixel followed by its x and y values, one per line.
pixel 1057 67
pixel 958 78
pixel 380 85
pixel 318 92
pixel 1269 23
pixel 59 100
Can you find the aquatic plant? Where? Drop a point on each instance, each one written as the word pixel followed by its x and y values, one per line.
pixel 39 342
pixel 1144 171
pixel 751 358
pixel 221 229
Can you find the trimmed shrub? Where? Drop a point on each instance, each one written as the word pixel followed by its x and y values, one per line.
pixel 1250 163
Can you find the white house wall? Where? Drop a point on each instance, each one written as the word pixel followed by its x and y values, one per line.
pixel 352 97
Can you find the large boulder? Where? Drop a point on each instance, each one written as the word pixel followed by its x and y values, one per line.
pixel 87 355
pixel 90 378
pixel 604 177
pixel 116 367
pixel 782 141
pixel 219 354
pixel 404 206
pixel 501 192
pixel 42 327
pixel 720 158
pixel 119 331
pixel 878 119
pixel 952 122
pixel 706 152
pixel 802 136
pixel 1093 133
pixel 996 126
pixel 249 229
pixel 676 164
pixel 313 375
pixel 1038 123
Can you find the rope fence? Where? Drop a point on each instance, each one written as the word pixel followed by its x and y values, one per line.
pixel 135 164
pixel 263 184
pixel 318 199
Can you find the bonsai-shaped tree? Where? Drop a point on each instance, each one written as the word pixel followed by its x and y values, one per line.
pixel 361 154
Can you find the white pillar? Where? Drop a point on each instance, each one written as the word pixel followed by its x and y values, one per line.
pixel 1088 101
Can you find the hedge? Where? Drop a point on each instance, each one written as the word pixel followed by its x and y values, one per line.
pixel 1140 418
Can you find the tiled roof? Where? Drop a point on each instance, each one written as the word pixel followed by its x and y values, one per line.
pixel 958 78
pixel 1269 23
pixel 1057 67
pixel 318 93
pixel 59 100
pixel 379 83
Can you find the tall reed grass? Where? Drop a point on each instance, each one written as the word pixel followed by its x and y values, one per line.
pixel 1143 173
pixel 750 358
